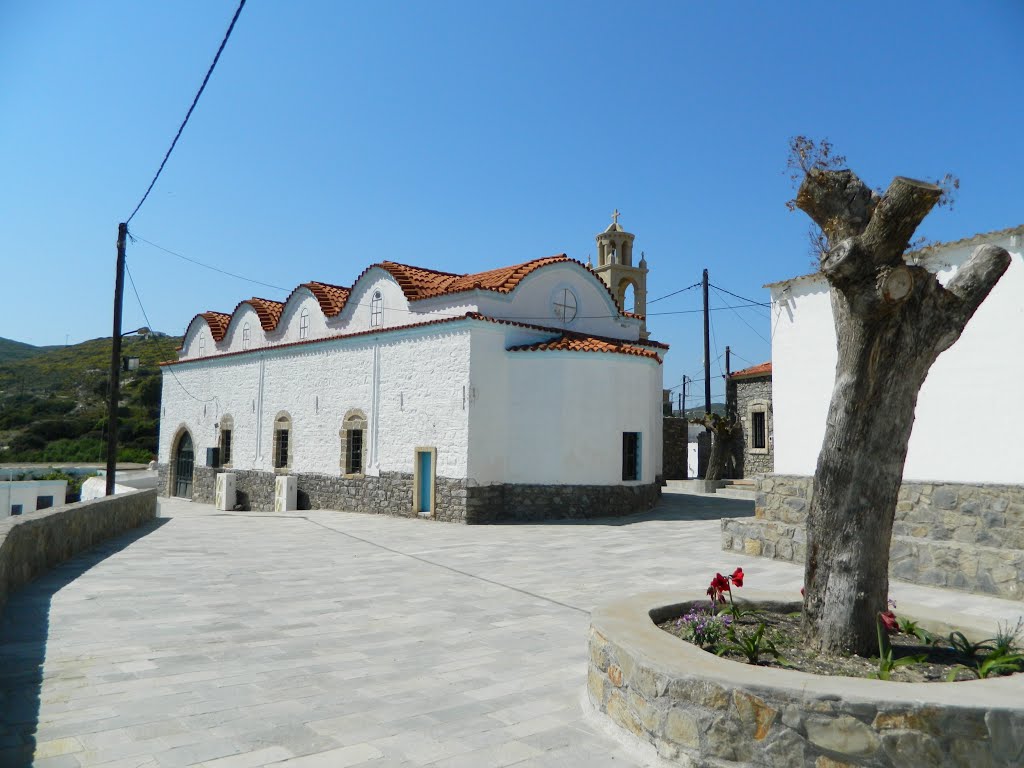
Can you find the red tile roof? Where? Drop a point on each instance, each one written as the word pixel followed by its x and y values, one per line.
pixel 218 322
pixel 332 298
pixel 268 311
pixel 764 369
pixel 635 345
pixel 419 283
pixel 572 342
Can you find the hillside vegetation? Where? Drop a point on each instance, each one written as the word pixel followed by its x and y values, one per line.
pixel 53 402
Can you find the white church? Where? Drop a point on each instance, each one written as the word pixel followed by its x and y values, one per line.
pixel 520 393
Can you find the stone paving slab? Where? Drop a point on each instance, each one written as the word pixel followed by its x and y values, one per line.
pixel 236 640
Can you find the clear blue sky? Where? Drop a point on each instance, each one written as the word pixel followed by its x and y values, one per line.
pixel 468 135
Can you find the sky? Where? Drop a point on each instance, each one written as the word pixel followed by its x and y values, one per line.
pixel 464 136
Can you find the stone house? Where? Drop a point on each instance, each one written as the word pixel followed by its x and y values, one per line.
pixel 748 398
pixel 960 517
pixel 522 392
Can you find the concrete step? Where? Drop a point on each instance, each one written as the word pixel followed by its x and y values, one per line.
pixel 736 492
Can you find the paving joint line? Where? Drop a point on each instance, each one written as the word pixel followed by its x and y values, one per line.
pixel 416 557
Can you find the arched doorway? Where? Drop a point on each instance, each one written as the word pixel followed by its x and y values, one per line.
pixel 184 461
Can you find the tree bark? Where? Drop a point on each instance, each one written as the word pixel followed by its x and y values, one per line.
pixel 723 435
pixel 892 321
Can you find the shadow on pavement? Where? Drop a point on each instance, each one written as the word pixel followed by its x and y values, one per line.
pixel 672 506
pixel 24 627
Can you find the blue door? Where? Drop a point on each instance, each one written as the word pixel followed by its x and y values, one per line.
pixel 424 469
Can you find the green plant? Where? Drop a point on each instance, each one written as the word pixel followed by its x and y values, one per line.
pixel 910 627
pixel 965 647
pixel 886 663
pixel 993 665
pixel 749 644
pixel 1007 636
pixel 704 628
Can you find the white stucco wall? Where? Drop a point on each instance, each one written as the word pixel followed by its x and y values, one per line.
pixel 970 390
pixel 27 493
pixel 408 384
pixel 558 417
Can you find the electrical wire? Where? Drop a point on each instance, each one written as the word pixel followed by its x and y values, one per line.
pixel 737 296
pixel 149 324
pixel 743 319
pixel 669 295
pixel 190 109
pixel 209 266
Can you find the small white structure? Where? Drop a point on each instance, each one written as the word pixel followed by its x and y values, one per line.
pixel 963 432
pixel 516 393
pixel 19 497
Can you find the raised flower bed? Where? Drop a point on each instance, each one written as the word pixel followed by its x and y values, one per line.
pixel 701 710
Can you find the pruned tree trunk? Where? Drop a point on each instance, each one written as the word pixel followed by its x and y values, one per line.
pixel 892 321
pixel 723 440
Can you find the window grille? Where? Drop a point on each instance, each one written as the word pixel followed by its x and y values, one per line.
pixel 246 336
pixel 282 442
pixel 304 324
pixel 202 343
pixel 225 446
pixel 354 460
pixel 758 436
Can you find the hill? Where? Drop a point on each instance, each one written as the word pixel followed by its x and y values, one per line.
pixel 698 412
pixel 53 402
pixel 18 350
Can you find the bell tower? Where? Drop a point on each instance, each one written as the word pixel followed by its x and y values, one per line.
pixel 615 267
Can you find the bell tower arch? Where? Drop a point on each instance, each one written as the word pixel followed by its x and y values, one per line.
pixel 615 267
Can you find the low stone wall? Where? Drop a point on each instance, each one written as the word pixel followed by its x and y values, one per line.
pixel 32 543
pixel 456 500
pixel 700 710
pixel 954 535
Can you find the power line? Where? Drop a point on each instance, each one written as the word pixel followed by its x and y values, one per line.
pixel 737 296
pixel 668 295
pixel 149 324
pixel 743 319
pixel 209 266
pixel 190 109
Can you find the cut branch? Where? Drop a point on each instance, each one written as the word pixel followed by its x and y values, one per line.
pixel 837 201
pixel 896 218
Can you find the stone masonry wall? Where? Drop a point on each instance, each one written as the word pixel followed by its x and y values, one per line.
pixel 955 535
pixel 455 499
pixel 703 712
pixel 32 543
pixel 742 393
pixel 674 436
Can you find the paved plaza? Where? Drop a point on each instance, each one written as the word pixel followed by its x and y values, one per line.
pixel 319 638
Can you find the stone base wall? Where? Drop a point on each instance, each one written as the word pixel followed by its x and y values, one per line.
pixel 32 543
pixel 703 711
pixel 954 535
pixel 456 500
pixel 674 437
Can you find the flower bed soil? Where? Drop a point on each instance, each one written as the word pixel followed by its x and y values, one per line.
pixel 784 631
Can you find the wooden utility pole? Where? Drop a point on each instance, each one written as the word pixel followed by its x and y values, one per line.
pixel 115 361
pixel 707 349
pixel 728 361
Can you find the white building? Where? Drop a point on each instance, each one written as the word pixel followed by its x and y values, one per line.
pixel 517 393
pixel 23 496
pixel 963 432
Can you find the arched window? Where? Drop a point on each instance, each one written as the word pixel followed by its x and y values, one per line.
pixel 376 309
pixel 227 428
pixel 246 336
pixel 282 441
pixel 202 344
pixel 628 293
pixel 304 324
pixel 353 443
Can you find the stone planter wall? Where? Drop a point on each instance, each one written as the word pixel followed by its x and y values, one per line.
pixel 700 710
pixel 968 537
pixel 32 543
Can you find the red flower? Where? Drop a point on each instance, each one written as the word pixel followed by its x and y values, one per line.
pixel 802 592
pixel 888 620
pixel 719 586
pixel 737 577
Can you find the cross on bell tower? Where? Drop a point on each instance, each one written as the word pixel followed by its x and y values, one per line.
pixel 615 267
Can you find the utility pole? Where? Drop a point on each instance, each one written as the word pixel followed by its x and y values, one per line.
pixel 115 361
pixel 707 350
pixel 728 360
pixel 682 396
